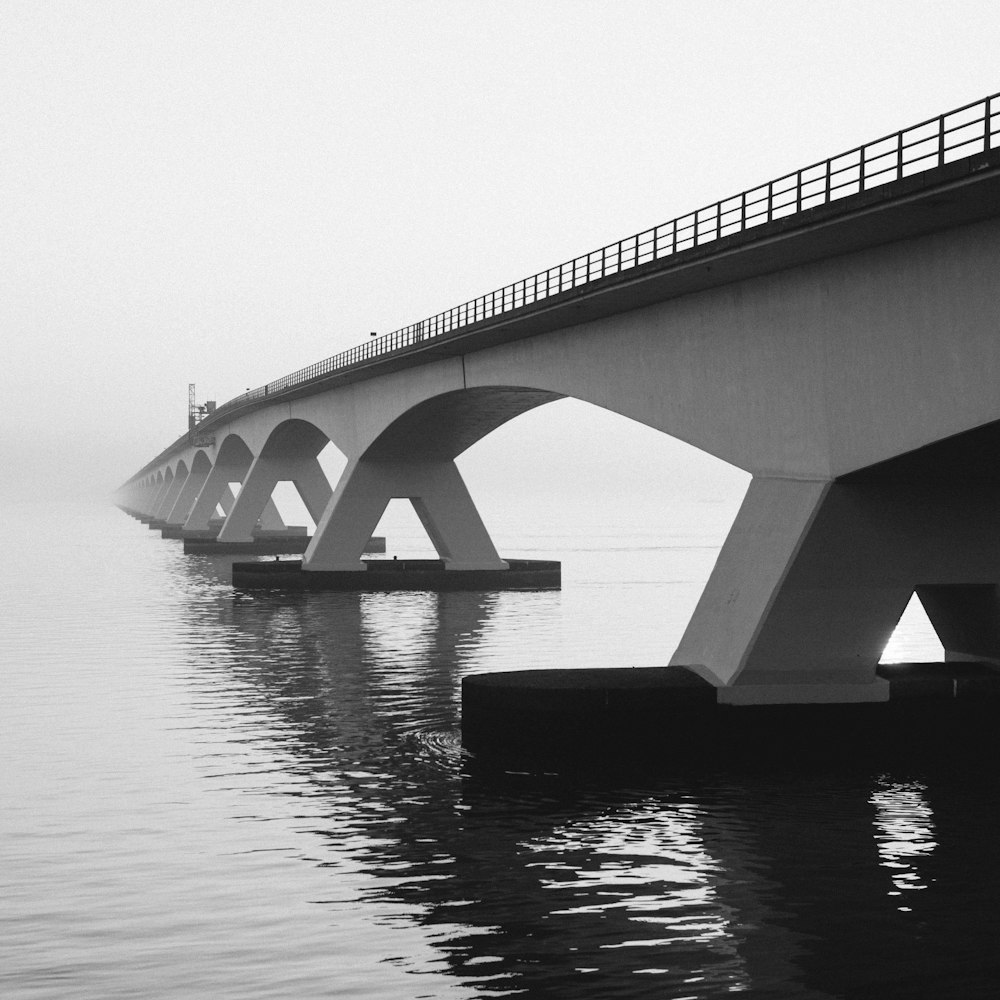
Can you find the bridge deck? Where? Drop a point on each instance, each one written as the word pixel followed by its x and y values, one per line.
pixel 941 173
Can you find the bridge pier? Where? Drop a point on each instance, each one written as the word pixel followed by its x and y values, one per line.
pixel 193 485
pixel 162 485
pixel 230 466
pixel 147 503
pixel 439 496
pixel 170 494
pixel 290 454
pixel 815 575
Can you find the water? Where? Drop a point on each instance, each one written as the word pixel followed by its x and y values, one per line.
pixel 209 794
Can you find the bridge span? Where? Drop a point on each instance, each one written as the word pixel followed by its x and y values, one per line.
pixel 835 332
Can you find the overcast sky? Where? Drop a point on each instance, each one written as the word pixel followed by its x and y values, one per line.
pixel 223 192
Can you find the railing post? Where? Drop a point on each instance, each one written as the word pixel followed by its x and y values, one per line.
pixel 986 126
pixel 941 141
pixel 674 246
pixel 861 169
pixel 829 181
pixel 798 191
pixel 770 199
pixel 743 211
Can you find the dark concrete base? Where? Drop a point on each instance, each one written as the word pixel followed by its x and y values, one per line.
pixel 288 545
pixel 266 543
pixel 670 716
pixel 398 574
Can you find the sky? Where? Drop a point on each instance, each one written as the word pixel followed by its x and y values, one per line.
pixel 223 192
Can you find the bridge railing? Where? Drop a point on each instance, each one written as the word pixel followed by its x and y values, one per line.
pixel 963 132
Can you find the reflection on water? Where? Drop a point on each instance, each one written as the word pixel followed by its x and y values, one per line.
pixel 905 836
pixel 233 795
pixel 644 870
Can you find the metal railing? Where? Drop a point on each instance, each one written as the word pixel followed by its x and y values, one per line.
pixel 973 128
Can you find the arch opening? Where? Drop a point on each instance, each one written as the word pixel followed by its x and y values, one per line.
pixel 636 517
pixel 304 466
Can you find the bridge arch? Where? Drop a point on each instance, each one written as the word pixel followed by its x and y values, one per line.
pixel 175 478
pixel 189 488
pixel 232 461
pixel 445 425
pixel 289 454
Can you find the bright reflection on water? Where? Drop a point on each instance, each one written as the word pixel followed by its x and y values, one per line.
pixel 905 826
pixel 212 794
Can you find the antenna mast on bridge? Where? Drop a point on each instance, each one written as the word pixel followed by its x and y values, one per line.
pixel 196 414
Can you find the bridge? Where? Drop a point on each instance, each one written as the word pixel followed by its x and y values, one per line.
pixel 835 332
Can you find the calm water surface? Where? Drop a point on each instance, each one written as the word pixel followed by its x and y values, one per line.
pixel 212 794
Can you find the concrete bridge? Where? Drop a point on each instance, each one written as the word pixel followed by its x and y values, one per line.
pixel 835 332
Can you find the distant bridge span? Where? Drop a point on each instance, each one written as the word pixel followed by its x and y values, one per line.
pixel 837 335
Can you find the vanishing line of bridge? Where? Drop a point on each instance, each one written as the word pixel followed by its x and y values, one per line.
pixel 836 333
pixel 863 177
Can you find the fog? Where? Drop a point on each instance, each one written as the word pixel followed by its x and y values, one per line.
pixel 223 192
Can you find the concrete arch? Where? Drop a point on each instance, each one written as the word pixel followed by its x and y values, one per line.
pixel 164 480
pixel 200 462
pixel 201 466
pixel 233 451
pixel 445 425
pixel 178 476
pixel 291 452
pixel 231 465
pixel 412 457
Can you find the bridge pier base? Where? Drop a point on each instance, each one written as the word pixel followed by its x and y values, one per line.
pixel 814 577
pixel 439 497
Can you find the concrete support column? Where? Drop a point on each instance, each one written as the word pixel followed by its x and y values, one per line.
pixel 271 519
pixel 169 498
pixel 193 485
pixel 228 498
pixel 313 486
pixel 439 496
pixel 145 497
pixel 216 491
pixel 305 473
pixel 163 486
pixel 814 577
